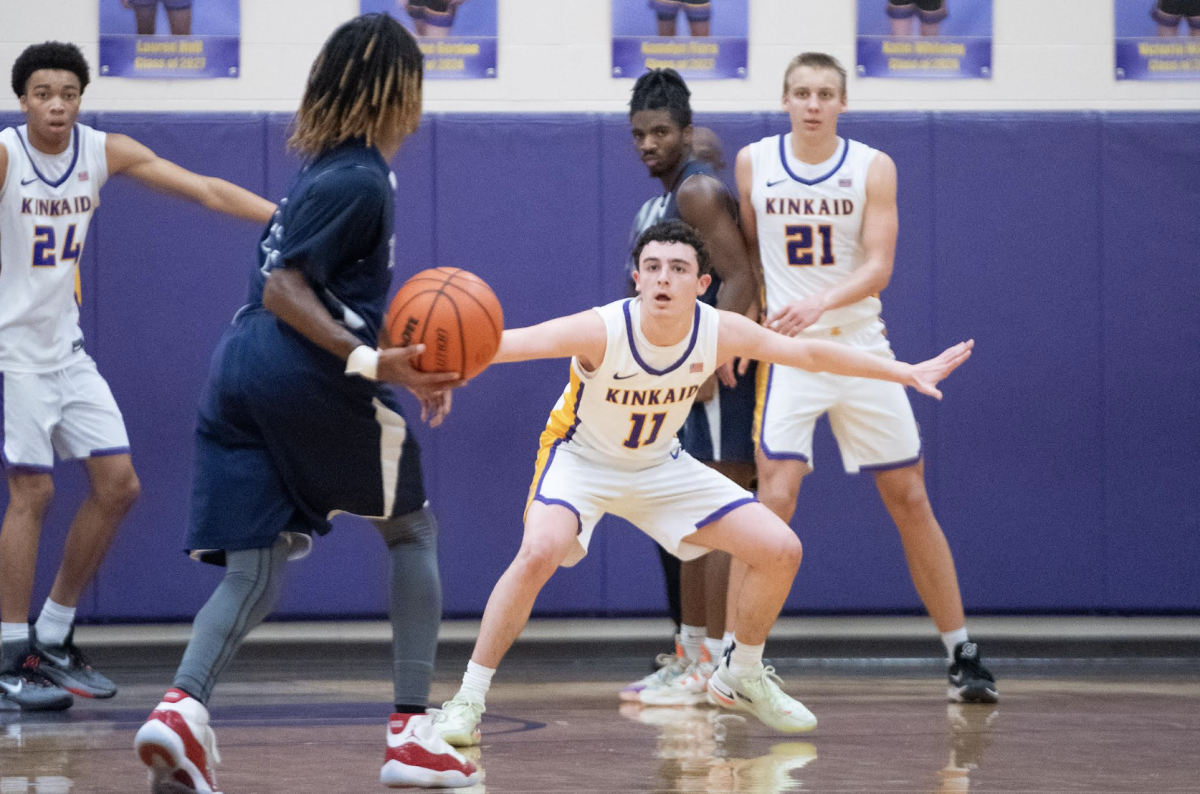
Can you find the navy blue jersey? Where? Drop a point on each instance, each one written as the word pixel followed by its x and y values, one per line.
pixel 666 208
pixel 335 226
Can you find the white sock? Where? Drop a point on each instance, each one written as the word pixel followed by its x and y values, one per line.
pixel 54 623
pixel 715 649
pixel 746 660
pixel 476 682
pixel 726 641
pixel 691 638
pixel 952 639
pixel 14 632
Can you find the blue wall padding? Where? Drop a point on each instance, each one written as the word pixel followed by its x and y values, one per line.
pixel 1064 463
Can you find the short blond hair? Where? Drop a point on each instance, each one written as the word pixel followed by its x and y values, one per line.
pixel 815 60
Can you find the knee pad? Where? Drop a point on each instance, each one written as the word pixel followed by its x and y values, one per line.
pixel 898 9
pixel 665 9
pixel 419 526
pixel 697 10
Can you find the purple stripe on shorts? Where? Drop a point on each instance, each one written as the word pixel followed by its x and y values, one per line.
pixel 900 464
pixel 102 453
pixel 562 503
pixel 719 514
pixel 762 430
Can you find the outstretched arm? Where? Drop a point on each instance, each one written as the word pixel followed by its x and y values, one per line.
pixel 740 337
pixel 127 156
pixel 582 335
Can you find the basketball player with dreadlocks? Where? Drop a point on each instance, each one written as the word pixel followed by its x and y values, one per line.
pixel 52 398
pixel 718 429
pixel 296 392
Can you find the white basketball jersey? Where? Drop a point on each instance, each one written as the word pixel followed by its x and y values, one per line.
pixel 46 205
pixel 628 410
pixel 810 229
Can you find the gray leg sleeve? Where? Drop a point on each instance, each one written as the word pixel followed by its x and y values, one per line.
pixel 415 606
pixel 245 596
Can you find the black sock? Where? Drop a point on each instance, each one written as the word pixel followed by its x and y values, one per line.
pixel 409 708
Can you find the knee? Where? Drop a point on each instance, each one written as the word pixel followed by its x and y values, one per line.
pixel 539 559
pixel 908 502
pixel 118 493
pixel 30 494
pixel 779 495
pixel 789 551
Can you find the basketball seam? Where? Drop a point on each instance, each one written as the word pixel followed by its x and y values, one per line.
pixel 478 303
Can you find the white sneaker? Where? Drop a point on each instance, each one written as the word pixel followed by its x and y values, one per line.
pixel 458 721
pixel 418 756
pixel 178 746
pixel 689 689
pixel 761 696
pixel 670 667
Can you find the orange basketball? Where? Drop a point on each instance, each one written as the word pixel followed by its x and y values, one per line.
pixel 454 313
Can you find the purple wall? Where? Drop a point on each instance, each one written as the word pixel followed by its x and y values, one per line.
pixel 1064 463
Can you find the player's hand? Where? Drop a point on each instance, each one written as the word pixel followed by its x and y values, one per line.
pixel 725 374
pixel 707 390
pixel 795 317
pixel 435 410
pixel 925 376
pixel 396 366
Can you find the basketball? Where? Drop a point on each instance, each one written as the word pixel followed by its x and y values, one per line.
pixel 454 313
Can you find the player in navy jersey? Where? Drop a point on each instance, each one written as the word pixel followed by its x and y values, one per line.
pixel 53 401
pixel 718 431
pixel 296 423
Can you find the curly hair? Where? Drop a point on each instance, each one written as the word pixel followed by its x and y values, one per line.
pixel 48 55
pixel 674 232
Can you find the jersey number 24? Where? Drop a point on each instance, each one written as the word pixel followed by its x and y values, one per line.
pixel 44 247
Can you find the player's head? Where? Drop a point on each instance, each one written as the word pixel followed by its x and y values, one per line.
pixel 673 268
pixel 660 116
pixel 49 79
pixel 365 83
pixel 814 92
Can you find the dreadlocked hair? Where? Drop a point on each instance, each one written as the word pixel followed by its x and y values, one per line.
pixel 365 83
pixel 48 55
pixel 662 88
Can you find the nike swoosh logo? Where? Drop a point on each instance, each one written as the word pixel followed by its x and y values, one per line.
pixel 61 661
pixel 624 377
pixel 13 690
pixel 28 181
pixel 777 182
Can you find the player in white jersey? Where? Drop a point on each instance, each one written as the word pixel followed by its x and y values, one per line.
pixel 52 399
pixel 610 447
pixel 821 212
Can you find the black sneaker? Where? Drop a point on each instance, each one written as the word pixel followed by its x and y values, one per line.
pixel 24 688
pixel 66 666
pixel 970 681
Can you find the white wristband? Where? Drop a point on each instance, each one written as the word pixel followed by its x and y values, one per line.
pixel 363 361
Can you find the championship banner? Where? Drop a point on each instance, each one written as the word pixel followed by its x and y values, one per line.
pixel 457 37
pixel 700 39
pixel 1158 39
pixel 925 38
pixel 169 38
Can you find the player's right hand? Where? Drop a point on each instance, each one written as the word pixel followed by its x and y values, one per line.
pixel 396 366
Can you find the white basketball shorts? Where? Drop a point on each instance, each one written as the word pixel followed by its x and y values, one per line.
pixel 667 501
pixel 872 420
pixel 70 411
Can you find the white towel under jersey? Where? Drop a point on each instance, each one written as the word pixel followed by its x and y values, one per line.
pixel 46 205
pixel 628 410
pixel 810 227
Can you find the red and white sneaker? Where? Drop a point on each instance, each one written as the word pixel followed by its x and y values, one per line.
pixel 178 746
pixel 417 755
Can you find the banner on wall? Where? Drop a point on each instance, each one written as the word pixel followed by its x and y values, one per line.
pixel 457 37
pixel 700 39
pixel 1158 39
pixel 169 38
pixel 925 38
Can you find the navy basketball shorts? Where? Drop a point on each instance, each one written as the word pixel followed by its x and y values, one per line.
pixel 170 5
pixel 1169 12
pixel 285 440
pixel 930 10
pixel 696 10
pixel 436 12
pixel 723 427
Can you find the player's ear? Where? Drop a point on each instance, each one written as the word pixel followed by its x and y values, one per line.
pixel 687 135
pixel 637 278
pixel 702 284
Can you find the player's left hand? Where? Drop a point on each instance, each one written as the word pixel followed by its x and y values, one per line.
pixel 435 409
pixel 795 317
pixel 707 390
pixel 925 376
pixel 725 374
